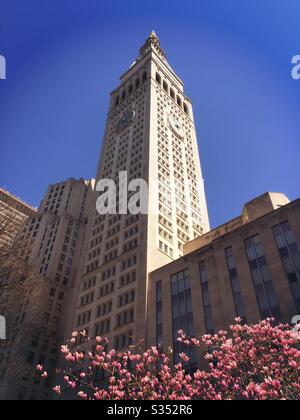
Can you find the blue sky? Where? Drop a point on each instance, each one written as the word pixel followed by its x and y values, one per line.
pixel 64 57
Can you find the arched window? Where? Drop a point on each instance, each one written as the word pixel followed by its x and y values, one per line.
pixel 130 89
pixel 165 86
pixel 172 94
pixel 137 83
pixel 185 108
pixel 117 100
pixel 179 101
pixel 123 95
pixel 144 77
pixel 158 78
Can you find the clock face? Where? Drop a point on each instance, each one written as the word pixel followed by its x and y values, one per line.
pixel 176 126
pixel 125 120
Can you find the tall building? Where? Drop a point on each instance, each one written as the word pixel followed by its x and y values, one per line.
pixel 247 268
pixel 37 301
pixel 150 134
pixel 13 214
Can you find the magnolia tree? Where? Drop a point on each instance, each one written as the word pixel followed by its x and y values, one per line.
pixel 252 362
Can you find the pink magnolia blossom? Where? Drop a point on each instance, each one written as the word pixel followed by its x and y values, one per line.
pixel 252 362
pixel 82 395
pixel 57 390
pixel 184 357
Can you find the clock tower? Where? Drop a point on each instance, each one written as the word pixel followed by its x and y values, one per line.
pixel 150 134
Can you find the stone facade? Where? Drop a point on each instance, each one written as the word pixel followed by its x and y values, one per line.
pixel 248 268
pixel 13 214
pixel 150 134
pixel 37 301
pixel 145 276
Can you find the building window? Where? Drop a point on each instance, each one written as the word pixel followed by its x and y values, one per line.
pixel 144 77
pixel 182 316
pixel 159 315
pixel 290 256
pixel 235 285
pixel 179 101
pixel 158 78
pixel 185 108
pixel 172 94
pixel 124 318
pixel 102 328
pixel 123 341
pixel 166 87
pixel 206 298
pixel 166 249
pixel 262 280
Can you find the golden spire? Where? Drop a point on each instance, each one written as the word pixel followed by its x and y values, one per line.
pixel 153 35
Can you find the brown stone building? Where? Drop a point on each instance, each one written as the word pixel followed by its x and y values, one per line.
pixel 247 268
pixel 37 301
pixel 13 214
